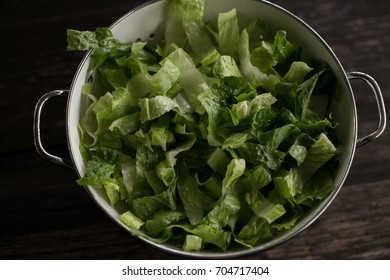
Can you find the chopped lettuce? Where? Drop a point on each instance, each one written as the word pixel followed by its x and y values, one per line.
pixel 218 135
pixel 130 220
pixel 192 243
pixel 185 23
pixel 228 33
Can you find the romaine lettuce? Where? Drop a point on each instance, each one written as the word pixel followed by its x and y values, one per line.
pixel 214 136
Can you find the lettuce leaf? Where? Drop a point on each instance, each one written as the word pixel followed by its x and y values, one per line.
pixel 228 33
pixel 189 193
pixel 248 70
pixel 190 78
pixel 185 22
pixel 152 108
pixel 192 243
pixel 258 229
pixel 161 220
pixel 100 167
pixel 317 155
pixel 87 40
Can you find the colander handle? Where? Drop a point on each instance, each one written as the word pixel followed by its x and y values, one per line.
pixel 379 102
pixel 37 128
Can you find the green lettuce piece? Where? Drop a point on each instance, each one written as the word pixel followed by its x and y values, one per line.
pixel 115 77
pixel 146 158
pixel 213 187
pixel 298 152
pixel 260 154
pixel 258 229
pixel 220 215
pixel 262 57
pixel 143 83
pixel 248 70
pixel 211 103
pixel 209 234
pixel 185 21
pixel 255 181
pixel 288 183
pixel 81 40
pixel 154 107
pixel 144 207
pixel 283 50
pixel 126 124
pixel 96 173
pixel 174 31
pixel 297 72
pixel 304 92
pixel 265 209
pixel 218 161
pixel 263 120
pixel 100 168
pixel 188 140
pixel 240 111
pixel 88 40
pixel 190 78
pixel 105 110
pixel 275 137
pixel 135 60
pixel 286 225
pixel 128 171
pixel 286 93
pixel 166 173
pixel 228 205
pixel 190 195
pixel 317 155
pixel 161 220
pixel 262 101
pixel 192 243
pixel 318 187
pixel 234 171
pixel 130 220
pixel 138 87
pixel 209 60
pixel 162 81
pixel 101 41
pixel 161 137
pixel 115 190
pixel 155 181
pixel 235 140
pixel 228 33
pixel 226 66
pixel 245 109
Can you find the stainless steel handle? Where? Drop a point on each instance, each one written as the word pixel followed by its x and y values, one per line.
pixel 380 104
pixel 37 127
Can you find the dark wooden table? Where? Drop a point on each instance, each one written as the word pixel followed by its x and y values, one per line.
pixel 44 214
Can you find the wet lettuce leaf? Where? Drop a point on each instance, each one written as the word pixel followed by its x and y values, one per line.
pixel 185 23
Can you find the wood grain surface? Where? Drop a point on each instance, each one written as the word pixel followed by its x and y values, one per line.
pixel 44 214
